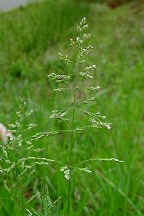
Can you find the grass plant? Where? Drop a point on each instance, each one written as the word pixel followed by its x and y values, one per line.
pixel 74 83
pixel 112 189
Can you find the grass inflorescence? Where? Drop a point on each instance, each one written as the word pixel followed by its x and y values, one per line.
pixel 104 188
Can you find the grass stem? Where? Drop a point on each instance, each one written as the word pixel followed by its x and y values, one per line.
pixel 70 150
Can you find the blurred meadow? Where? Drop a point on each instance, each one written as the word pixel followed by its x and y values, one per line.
pixel 30 39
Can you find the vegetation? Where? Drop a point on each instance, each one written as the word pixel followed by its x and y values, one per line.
pixel 30 39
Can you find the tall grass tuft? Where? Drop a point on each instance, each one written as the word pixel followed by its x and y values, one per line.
pixel 72 84
pixel 18 161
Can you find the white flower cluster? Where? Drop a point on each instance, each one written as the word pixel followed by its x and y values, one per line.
pixel 31 125
pixel 85 51
pixel 85 169
pixel 60 89
pixel 40 135
pixel 22 104
pixel 64 58
pixel 99 124
pixel 57 114
pixel 92 88
pixel 59 78
pixel 66 172
pixel 82 36
pixel 99 115
pixel 19 140
pixel 89 100
pixel 86 72
pixel 86 36
pixel 83 25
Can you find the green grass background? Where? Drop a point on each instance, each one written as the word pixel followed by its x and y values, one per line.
pixel 30 38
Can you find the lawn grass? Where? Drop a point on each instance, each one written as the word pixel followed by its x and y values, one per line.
pixel 30 39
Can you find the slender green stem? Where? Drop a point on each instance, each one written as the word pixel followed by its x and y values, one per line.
pixel 72 130
pixel 70 152
pixel 22 202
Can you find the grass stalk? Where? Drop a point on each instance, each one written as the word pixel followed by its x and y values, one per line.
pixel 72 133
pixel 70 150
